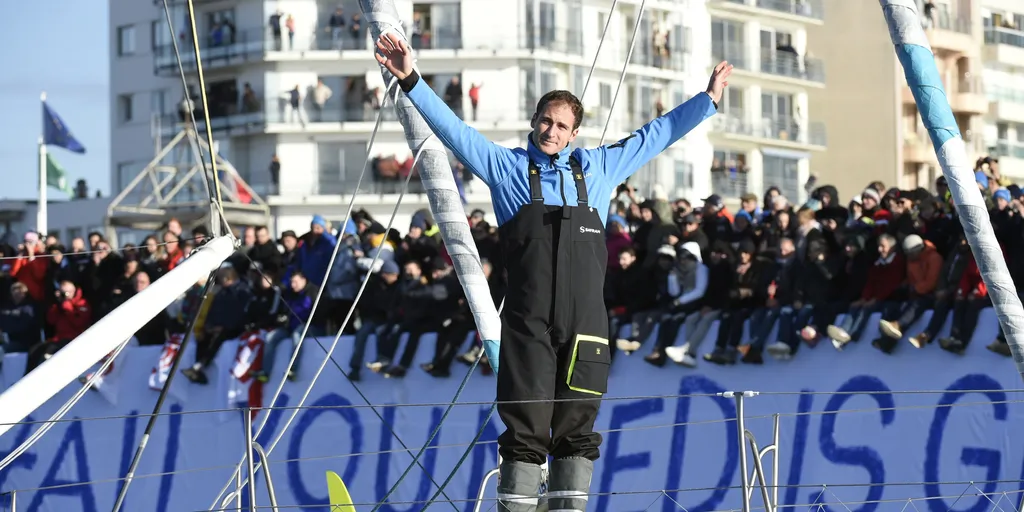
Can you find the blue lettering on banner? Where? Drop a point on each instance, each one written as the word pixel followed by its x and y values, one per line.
pixel 615 463
pixel 330 403
pixel 127 450
pixel 863 436
pixel 52 484
pixel 969 456
pixel 863 456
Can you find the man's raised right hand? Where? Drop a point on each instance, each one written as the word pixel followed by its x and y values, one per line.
pixel 394 55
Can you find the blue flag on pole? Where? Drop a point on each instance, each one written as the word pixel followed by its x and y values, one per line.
pixel 56 133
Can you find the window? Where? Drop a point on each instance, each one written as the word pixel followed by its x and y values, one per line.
pixel 729 173
pixel 606 95
pixel 784 173
pixel 73 233
pixel 684 177
pixel 159 37
pixel 125 108
pixel 126 172
pixel 158 102
pixel 602 20
pixel 727 41
pixel 732 102
pixel 1002 131
pixel 126 40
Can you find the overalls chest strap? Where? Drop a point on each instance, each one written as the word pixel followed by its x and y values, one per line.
pixel 577 173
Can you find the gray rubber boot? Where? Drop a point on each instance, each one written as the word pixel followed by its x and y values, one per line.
pixel 569 484
pixel 518 486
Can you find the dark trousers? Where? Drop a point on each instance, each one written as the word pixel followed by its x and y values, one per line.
pixel 965 317
pixel 906 313
pixel 387 347
pixel 761 323
pixel 644 323
pixel 730 330
pixel 40 352
pixel 209 345
pixel 368 328
pixel 857 319
pixel 668 329
pixel 449 339
pixel 792 321
pixel 544 417
pixel 940 311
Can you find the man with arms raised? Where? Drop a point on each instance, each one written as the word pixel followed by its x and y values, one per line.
pixel 552 203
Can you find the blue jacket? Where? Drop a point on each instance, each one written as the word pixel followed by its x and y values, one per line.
pixel 504 170
pixel 312 259
pixel 343 281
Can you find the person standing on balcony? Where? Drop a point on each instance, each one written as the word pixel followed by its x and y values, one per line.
pixel 321 93
pixel 453 96
pixel 474 98
pixel 295 101
pixel 336 25
pixel 551 203
pixel 275 28
pixel 289 23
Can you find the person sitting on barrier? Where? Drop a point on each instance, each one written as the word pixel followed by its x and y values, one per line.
pixel 779 282
pixel 551 202
pixel 70 317
pixel 455 328
pixel 628 293
pixel 225 320
pixel 713 304
pixel 419 304
pixel 665 283
pixel 693 277
pixel 971 297
pixel 881 293
pixel 376 311
pixel 19 321
pixel 924 265
pixel 744 296
pixel 267 312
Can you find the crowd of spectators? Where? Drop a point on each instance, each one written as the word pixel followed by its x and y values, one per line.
pixel 817 271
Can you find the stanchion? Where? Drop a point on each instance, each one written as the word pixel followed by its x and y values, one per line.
pixel 249 460
pixel 743 436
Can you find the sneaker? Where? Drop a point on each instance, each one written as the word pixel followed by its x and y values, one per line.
pixel 293 375
pixel 376 366
pixel 753 356
pixel 721 356
pixel 395 371
pixel 681 355
pixel 195 375
pixel 838 334
pixel 354 376
pixel 779 350
pixel 655 358
pixel 952 345
pixel 890 329
pixel 1000 347
pixel 919 341
pixel 470 356
pixel 627 346
pixel 885 344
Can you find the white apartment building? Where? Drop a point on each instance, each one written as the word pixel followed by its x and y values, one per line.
pixel 764 136
pixel 1003 21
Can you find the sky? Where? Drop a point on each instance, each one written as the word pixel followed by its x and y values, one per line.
pixel 61 47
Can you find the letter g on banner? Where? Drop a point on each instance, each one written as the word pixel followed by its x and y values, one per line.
pixel 863 456
pixel 969 455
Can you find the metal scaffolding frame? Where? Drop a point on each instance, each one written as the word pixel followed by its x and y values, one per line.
pixel 174 184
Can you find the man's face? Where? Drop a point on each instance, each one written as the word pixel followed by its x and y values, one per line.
pixel 290 243
pixel 553 127
pixel 749 205
pixel 263 236
pixel 317 229
pixel 626 259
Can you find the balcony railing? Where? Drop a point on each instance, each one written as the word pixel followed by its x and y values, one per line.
pixel 675 57
pixel 551 39
pixel 251 122
pixel 1008 36
pixel 732 52
pixel 791 65
pixel 728 183
pixel 943 20
pixel 331 113
pixel 971 84
pixel 242 46
pixel 1011 149
pixel 807 8
pixel 776 128
pixel 996 93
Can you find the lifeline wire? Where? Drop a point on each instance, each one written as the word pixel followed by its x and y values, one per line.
pixel 319 295
pixel 164 391
pixel 356 388
pixel 344 324
pixel 38 434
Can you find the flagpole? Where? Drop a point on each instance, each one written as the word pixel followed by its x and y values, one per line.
pixel 41 207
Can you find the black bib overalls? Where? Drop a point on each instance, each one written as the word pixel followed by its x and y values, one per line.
pixel 554 355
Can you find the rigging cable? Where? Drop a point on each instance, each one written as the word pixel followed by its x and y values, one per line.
pixel 316 300
pixel 622 75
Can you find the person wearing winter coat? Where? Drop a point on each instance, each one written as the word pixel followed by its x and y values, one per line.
pixel 455 328
pixel 419 303
pixel 778 288
pixel 971 298
pixel 884 279
pixel 19 321
pixel 693 283
pixel 666 276
pixel 714 303
pixel 267 312
pixel 224 321
pixel 629 291
pixel 744 297
pixel 924 264
pixel 314 252
pixel 70 317
pixel 376 313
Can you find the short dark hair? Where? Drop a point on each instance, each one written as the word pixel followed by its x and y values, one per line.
pixel 567 98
